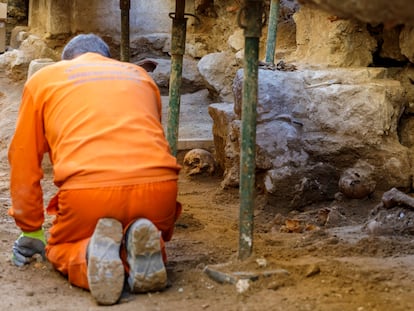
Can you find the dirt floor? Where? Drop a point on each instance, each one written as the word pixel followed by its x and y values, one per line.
pixel 320 258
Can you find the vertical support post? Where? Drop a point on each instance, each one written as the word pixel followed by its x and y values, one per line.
pixel 179 26
pixel 125 6
pixel 252 31
pixel 272 32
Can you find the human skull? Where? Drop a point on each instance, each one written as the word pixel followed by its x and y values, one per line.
pixel 199 161
pixel 357 182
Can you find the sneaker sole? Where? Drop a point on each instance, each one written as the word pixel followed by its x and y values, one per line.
pixel 106 272
pixel 147 271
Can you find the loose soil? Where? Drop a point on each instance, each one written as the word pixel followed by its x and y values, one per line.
pixel 319 258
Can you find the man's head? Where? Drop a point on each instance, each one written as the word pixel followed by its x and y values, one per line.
pixel 85 43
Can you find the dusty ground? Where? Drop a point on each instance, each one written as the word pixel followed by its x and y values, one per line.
pixel 301 261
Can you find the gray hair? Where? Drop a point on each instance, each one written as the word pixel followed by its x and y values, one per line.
pixel 85 43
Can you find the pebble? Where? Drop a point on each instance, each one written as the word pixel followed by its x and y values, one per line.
pixel 242 285
pixel 313 270
pixel 261 262
pixel 373 227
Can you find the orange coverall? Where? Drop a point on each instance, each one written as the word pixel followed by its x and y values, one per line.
pixel 100 122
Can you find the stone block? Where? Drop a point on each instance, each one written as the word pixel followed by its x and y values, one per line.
pixel 2 37
pixel 3 11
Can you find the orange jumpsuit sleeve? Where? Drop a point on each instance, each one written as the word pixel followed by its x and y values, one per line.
pixel 25 157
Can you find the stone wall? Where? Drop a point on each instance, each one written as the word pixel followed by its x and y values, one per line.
pixel 16 14
pixel 56 17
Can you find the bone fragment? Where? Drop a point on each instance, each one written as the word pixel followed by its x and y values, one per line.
pixel 395 197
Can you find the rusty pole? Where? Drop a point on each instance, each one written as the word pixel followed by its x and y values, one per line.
pixel 272 31
pixel 252 24
pixel 177 52
pixel 125 6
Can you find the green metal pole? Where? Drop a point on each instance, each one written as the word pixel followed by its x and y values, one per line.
pixel 177 51
pixel 272 31
pixel 252 31
pixel 125 6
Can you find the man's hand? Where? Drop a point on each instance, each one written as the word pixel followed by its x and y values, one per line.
pixel 28 244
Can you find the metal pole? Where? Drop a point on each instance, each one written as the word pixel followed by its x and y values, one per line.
pixel 272 31
pixel 125 6
pixel 252 31
pixel 177 51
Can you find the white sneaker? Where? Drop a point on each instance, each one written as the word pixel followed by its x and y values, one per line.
pixel 106 272
pixel 147 271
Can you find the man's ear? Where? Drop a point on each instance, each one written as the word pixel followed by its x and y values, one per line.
pixel 148 65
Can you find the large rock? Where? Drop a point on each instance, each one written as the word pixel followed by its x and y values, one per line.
pixel 407 42
pixel 325 41
pixel 314 125
pixel 390 48
pixel 223 116
pixel 191 80
pixel 154 44
pixel 369 11
pixel 218 71
pixel 16 62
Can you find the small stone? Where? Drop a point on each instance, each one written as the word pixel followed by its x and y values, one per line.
pixel 242 285
pixel 261 262
pixel 313 270
pixel 373 227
